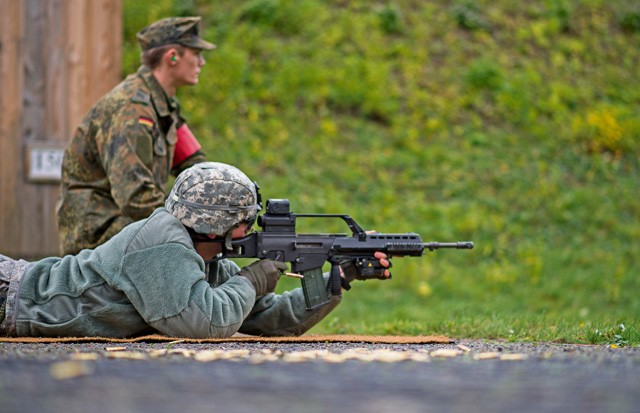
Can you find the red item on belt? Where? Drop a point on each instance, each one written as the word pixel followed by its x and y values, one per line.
pixel 186 145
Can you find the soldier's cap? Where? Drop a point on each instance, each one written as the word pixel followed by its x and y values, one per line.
pixel 173 30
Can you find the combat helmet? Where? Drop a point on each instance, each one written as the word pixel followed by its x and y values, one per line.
pixel 213 198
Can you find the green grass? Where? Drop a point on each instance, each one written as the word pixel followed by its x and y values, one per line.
pixel 515 125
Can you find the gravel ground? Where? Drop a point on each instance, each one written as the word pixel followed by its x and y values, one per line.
pixel 468 375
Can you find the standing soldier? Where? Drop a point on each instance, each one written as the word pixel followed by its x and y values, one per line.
pixel 116 167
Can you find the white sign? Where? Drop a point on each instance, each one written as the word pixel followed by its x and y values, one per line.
pixel 44 163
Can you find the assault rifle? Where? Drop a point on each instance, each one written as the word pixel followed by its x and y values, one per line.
pixel 307 253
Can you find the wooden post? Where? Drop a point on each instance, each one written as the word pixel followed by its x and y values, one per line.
pixel 11 84
pixel 58 58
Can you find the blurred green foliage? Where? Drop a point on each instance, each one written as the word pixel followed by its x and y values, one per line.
pixel 512 124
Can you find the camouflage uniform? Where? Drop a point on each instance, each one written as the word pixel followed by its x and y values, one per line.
pixel 116 167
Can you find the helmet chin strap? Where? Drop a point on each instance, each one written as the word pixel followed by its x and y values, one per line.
pixel 228 237
pixel 214 259
pixel 227 240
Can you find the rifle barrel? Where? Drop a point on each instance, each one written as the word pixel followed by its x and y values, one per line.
pixel 462 245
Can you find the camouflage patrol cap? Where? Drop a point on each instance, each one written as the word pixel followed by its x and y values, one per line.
pixel 212 198
pixel 173 30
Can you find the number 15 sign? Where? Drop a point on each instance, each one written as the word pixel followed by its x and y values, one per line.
pixel 44 162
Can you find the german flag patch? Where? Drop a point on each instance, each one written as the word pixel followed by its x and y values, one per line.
pixel 145 121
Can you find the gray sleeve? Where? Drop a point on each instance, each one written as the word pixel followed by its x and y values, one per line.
pixel 285 315
pixel 166 284
pixel 211 312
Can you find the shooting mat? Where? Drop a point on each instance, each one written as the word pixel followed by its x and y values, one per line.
pixel 156 338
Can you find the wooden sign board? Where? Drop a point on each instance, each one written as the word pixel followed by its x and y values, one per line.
pixel 43 162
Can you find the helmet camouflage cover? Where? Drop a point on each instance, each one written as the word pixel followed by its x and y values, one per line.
pixel 213 198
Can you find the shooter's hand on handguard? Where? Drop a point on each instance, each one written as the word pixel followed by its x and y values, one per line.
pixel 366 268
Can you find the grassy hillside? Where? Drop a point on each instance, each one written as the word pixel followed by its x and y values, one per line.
pixel 512 124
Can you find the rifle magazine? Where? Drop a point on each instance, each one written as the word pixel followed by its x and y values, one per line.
pixel 315 289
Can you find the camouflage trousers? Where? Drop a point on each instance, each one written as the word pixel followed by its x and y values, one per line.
pixel 11 272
